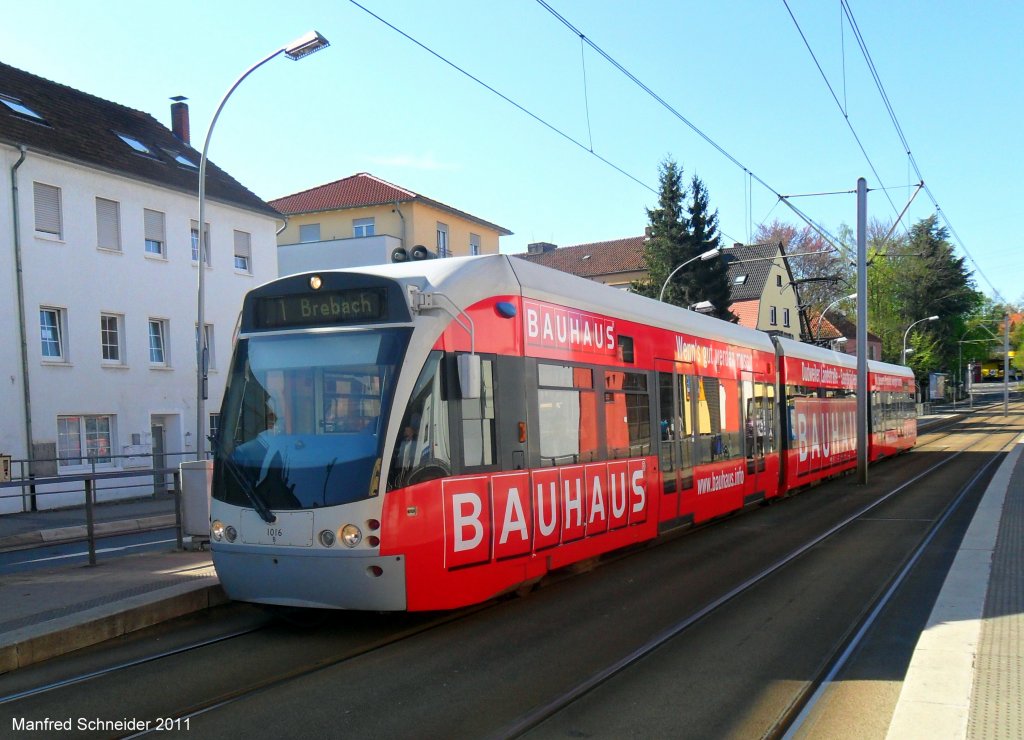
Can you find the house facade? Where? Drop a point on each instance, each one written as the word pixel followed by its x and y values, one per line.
pixel 98 209
pixel 761 284
pixel 361 220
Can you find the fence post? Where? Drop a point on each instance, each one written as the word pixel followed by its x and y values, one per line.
pixel 89 528
pixel 177 510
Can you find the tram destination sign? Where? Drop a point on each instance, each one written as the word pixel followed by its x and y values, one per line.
pixel 350 306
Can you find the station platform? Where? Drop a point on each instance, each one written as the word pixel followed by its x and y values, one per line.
pixel 964 680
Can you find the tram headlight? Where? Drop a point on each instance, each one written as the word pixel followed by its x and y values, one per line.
pixel 327 538
pixel 217 530
pixel 351 535
pixel 230 533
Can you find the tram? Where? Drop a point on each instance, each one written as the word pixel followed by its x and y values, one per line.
pixel 433 434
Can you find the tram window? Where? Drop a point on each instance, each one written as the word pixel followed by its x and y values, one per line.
pixel 567 415
pixel 626 349
pixel 627 414
pixel 718 420
pixel 422 447
pixel 478 443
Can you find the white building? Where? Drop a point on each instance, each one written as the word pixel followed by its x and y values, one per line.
pixel 98 204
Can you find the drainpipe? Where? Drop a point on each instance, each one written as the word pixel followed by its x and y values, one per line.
pixel 403 221
pixel 22 330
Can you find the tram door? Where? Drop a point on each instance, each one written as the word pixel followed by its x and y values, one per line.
pixel 676 443
pixel 755 428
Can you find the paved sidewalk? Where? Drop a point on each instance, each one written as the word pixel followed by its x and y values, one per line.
pixel 47 613
pixel 965 677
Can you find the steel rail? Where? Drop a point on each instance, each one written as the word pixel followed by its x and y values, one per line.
pixel 82 678
pixel 537 716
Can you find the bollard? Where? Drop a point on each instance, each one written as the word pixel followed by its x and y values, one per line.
pixel 177 510
pixel 89 527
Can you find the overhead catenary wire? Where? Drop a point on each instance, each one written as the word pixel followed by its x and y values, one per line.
pixel 522 108
pixel 906 146
pixel 824 233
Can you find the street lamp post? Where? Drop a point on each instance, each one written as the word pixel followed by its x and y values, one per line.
pixel 907 332
pixel 703 257
pixel 817 332
pixel 301 47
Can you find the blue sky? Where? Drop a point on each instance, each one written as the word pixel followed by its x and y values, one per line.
pixel 737 69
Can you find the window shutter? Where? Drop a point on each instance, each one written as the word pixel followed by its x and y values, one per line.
pixel 47 202
pixel 154 223
pixel 108 224
pixel 242 249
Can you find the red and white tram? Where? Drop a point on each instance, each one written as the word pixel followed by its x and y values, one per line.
pixel 431 434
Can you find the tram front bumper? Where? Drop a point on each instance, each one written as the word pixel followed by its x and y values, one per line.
pixel 313 578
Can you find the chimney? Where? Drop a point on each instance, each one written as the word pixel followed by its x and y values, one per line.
pixel 179 118
pixel 647 233
pixel 540 248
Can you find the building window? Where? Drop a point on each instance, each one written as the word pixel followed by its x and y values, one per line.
pixel 158 354
pixel 210 358
pixel 47 205
pixel 442 239
pixel 135 144
pixel 309 233
pixel 53 342
pixel 19 107
pixel 111 333
pixel 739 280
pixel 778 281
pixel 155 233
pixel 84 440
pixel 785 317
pixel 773 316
pixel 243 251
pixel 474 244
pixel 108 224
pixel 214 427
pixel 362 227
pixel 206 243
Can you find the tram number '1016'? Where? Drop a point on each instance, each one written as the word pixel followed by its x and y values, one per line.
pixel 512 514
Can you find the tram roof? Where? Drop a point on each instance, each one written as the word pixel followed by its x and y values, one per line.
pixel 467 280
pixel 791 348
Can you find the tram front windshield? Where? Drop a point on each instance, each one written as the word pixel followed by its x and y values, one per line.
pixel 304 418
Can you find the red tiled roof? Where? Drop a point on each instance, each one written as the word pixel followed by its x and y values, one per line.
pixel 596 258
pixel 360 190
pixel 747 312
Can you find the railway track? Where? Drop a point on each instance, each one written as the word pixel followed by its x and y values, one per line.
pixel 329 654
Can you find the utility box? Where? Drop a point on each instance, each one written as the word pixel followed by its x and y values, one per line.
pixel 196 484
pixel 5 468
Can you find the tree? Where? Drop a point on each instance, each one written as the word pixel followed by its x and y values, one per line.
pixel 910 278
pixel 667 244
pixel 679 234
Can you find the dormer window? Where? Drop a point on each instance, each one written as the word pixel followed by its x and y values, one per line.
pixel 20 108
pixel 181 159
pixel 135 144
pixel 739 280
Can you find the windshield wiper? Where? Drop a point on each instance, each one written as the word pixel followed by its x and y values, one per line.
pixel 250 492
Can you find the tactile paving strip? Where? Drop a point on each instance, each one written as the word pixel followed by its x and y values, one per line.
pixel 997 700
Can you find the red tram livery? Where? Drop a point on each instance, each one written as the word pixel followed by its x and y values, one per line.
pixel 431 434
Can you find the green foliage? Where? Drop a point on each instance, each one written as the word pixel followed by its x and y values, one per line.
pixel 678 234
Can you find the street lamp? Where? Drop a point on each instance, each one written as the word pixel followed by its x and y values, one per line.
pixel 303 46
pixel 904 355
pixel 703 257
pixel 821 318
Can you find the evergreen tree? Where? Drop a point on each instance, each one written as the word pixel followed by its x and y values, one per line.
pixel 707 280
pixel 667 244
pixel 678 236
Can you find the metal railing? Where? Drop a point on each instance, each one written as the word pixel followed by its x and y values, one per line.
pixel 86 483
